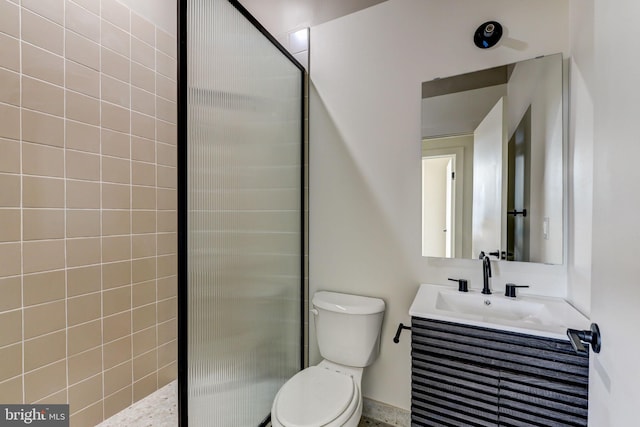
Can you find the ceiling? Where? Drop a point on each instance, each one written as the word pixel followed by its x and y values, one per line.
pixel 280 17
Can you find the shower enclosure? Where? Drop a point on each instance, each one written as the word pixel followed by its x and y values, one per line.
pixel 240 216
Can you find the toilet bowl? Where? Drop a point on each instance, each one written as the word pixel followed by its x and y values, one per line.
pixel 329 394
pixel 319 396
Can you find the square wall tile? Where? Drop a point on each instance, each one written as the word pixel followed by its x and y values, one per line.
pixel 11 256
pixel 45 381
pixel 116 248
pixel 115 117
pixel 10 159
pixel 82 50
pixel 82 79
pixel 44 287
pixel 144 317
pixel 89 416
pixel 144 341
pixel 84 308
pixel 41 224
pixel 43 255
pixel 44 318
pixel 116 222
pixel 9 122
pixel 117 401
pixel 115 274
pixel 117 326
pixel 82 137
pixel 143 29
pixel 9 87
pixel 82 165
pixel 116 300
pixel 116 170
pixel 42 64
pixel 50 9
pixel 82 21
pixel 10 225
pixel 11 390
pixel 144 387
pixel 43 97
pixel 42 192
pixel 83 194
pixel 166 43
pixel 84 280
pixel 11 365
pixel 83 251
pixel 42 128
pixel 85 365
pixel 115 91
pixel 115 38
pixel 115 196
pixel 9 52
pixel 116 144
pixel 115 65
pixel 44 350
pixel 117 352
pixel 82 108
pixel 11 331
pixel 83 223
pixel 84 337
pixel 144 293
pixel 9 18
pixel 42 160
pixel 143 53
pixel 85 393
pixel 116 13
pixel 143 246
pixel 11 291
pixel 144 365
pixel 143 77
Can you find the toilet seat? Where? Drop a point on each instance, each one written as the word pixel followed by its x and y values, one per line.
pixel 316 396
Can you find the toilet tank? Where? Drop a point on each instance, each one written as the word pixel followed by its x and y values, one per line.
pixel 348 327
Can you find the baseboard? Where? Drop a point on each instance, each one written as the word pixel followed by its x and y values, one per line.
pixel 386 413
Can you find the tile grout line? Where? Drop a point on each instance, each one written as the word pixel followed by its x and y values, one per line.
pixel 21 209
pixel 102 373
pixel 64 160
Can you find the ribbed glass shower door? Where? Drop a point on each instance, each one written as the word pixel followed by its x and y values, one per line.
pixel 241 217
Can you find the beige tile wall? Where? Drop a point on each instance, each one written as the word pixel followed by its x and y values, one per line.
pixel 87 206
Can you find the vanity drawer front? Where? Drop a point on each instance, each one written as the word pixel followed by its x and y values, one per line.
pixel 532 401
pixel 447 391
pixel 495 377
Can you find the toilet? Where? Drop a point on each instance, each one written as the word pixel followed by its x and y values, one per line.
pixel 328 394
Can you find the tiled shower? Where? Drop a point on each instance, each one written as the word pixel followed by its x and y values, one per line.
pixel 87 205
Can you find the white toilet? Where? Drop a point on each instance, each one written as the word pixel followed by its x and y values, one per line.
pixel 328 395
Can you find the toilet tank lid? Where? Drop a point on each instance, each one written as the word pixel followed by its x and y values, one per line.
pixel 346 303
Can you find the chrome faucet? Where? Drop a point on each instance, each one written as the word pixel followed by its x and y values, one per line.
pixel 486 273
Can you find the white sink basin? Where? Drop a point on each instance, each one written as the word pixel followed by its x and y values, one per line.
pixel 543 316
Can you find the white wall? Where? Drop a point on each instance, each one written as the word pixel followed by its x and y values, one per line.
pixel 365 216
pixel 614 87
pixel 580 153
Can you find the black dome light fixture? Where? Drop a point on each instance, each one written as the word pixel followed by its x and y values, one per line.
pixel 488 34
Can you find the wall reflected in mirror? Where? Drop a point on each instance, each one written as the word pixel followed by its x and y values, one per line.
pixel 492 163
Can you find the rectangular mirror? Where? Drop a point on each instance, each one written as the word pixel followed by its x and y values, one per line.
pixel 492 163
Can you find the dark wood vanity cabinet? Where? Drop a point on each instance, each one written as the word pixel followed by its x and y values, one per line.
pixel 472 376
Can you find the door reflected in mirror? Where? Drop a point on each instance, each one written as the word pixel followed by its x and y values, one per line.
pixel 492 163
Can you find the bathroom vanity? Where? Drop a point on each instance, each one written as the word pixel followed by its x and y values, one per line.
pixel 512 366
